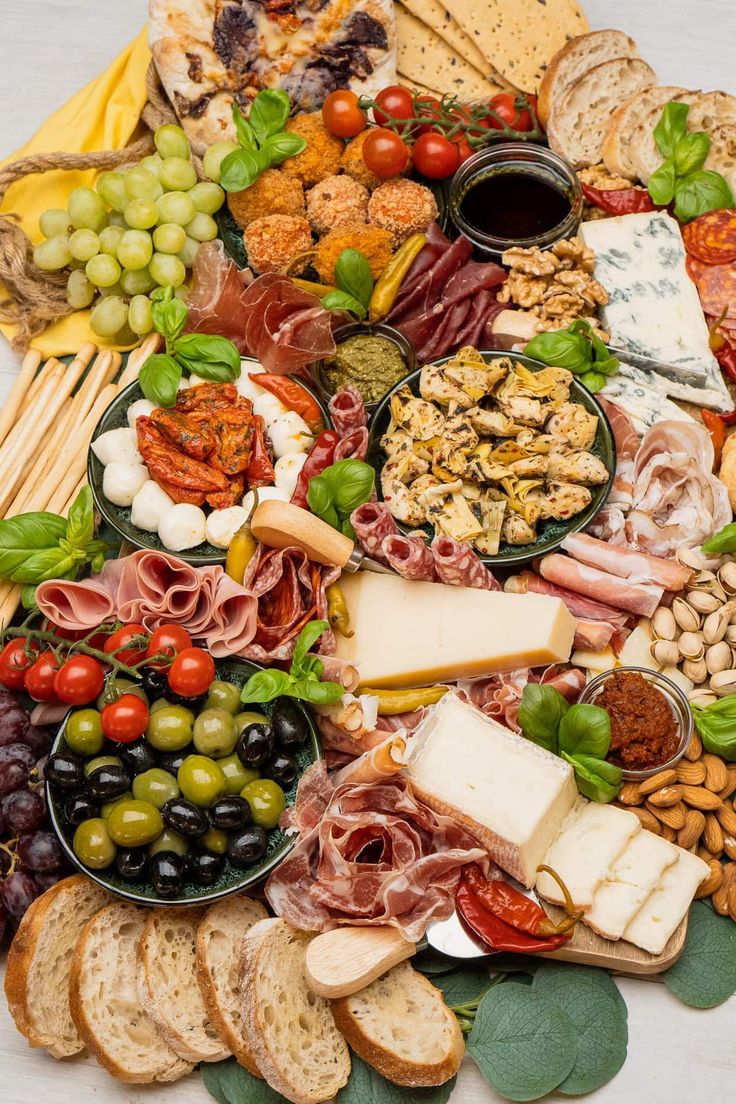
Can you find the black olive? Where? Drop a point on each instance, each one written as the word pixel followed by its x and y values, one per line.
pixel 108 782
pixel 205 869
pixel 131 864
pixel 166 871
pixel 137 757
pixel 185 817
pixel 230 813
pixel 155 683
pixel 255 744
pixel 64 770
pixel 80 807
pixel 195 703
pixel 282 768
pixel 247 846
pixel 171 761
pixel 289 724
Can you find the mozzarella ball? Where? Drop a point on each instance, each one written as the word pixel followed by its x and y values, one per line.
pixel 117 444
pixel 264 493
pixel 245 385
pixel 122 481
pixel 139 409
pixel 222 525
pixel 289 433
pixel 149 506
pixel 287 471
pixel 268 407
pixel 182 527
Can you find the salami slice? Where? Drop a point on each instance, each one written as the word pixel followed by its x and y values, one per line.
pixel 410 557
pixel 347 410
pixel 353 446
pixel 717 290
pixel 695 267
pixel 372 523
pixel 458 565
pixel 712 237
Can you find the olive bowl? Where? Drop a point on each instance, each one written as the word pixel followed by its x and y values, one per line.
pixel 551 533
pixel 232 879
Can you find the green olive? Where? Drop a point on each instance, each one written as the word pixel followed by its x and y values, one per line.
pixel 93 845
pixel 249 717
pixel 155 786
pixel 170 728
pixel 215 733
pixel 223 695
pixel 201 780
pixel 102 761
pixel 236 775
pixel 83 732
pixel 169 841
pixel 108 807
pixel 214 840
pixel 266 800
pixel 115 687
pixel 160 703
pixel 133 823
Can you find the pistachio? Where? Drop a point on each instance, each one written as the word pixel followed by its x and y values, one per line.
pixel 723 683
pixel 691 645
pixel 664 625
pixel 696 670
pixel 727 577
pixel 686 617
pixel 704 579
pixel 666 653
pixel 702 601
pixel 699 695
pixel 690 557
pixel 718 657
pixel 731 634
pixel 715 624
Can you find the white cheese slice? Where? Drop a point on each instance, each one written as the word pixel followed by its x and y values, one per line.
pixel 634 875
pixel 666 906
pixel 636 651
pixel 585 851
pixel 510 793
pixel 595 662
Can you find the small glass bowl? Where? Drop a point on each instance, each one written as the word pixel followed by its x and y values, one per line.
pixel 676 700
pixel 321 383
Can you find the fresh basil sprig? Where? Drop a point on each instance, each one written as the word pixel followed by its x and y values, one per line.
pixel 338 490
pixel 716 725
pixel 354 284
pixel 681 176
pixel 262 139
pixel 302 681
pixel 577 348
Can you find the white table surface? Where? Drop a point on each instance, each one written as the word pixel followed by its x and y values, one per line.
pixel 50 48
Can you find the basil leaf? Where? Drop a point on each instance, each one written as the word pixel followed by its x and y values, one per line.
pixel 211 357
pixel 353 275
pixel 699 192
pixel 541 711
pixel 561 348
pixel 264 686
pixel 722 541
pixel 351 482
pixel 28 596
pixel 169 314
pixel 716 725
pixel 347 529
pixel 316 692
pixel 594 381
pixel 340 300
pixel 662 182
pixel 80 526
pixel 596 779
pixel 585 730
pixel 243 129
pixel 241 168
pixel 269 113
pixel 690 152
pixel 47 563
pixel 282 146
pixel 307 638
pixel 671 128
pixel 319 498
pixel 159 379
pixel 705 974
pixel 23 535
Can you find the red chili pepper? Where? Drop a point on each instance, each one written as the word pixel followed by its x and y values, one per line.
pixel 494 932
pixel 726 357
pixel 619 201
pixel 291 394
pixel 513 907
pixel 729 418
pixel 259 472
pixel 320 457
pixel 717 430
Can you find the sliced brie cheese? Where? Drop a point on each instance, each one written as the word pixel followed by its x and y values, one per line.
pixel 636 652
pixel 595 662
pixel 668 903
pixel 634 875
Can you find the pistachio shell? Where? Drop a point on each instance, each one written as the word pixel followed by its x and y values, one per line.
pixel 718 657
pixel 696 670
pixel 691 645
pixel 666 653
pixel 685 616
pixel 703 601
pixel 690 557
pixel 715 624
pixel 723 683
pixel 664 625
pixel 701 696
pixel 727 577
pixel 731 634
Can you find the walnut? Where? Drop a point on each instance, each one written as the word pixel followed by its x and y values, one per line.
pixel 531 262
pixel 592 293
pixel 522 290
pixel 558 304
pixel 598 176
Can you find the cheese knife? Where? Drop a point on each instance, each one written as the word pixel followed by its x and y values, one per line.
pixel 283 525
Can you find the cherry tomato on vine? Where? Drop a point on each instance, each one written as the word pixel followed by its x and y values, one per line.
pixel 14 663
pixel 397 103
pixel 435 156
pixel 429 108
pixel 79 680
pixel 168 640
pixel 122 636
pixel 126 719
pixel 191 672
pixel 385 153
pixel 512 110
pixel 39 679
pixel 341 114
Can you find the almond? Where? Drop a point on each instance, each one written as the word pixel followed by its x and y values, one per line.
pixel 673 816
pixel 694 749
pixel 703 853
pixel 713 882
pixel 727 819
pixel 657 781
pixel 668 795
pixel 630 794
pixel 648 820
pixel 730 786
pixel 716 773
pixel 669 834
pixel 700 798
pixel 729 846
pixel 690 774
pixel 719 900
pixel 689 835
pixel 713 834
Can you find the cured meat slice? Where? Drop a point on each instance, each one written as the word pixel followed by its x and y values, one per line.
pixel 625 436
pixel 499 696
pixel 473 277
pixel 641 598
pixel 347 410
pixel 353 446
pixel 74 605
pixel 382 761
pixel 595 635
pixel 717 290
pixel 694 267
pixel 711 237
pixel 216 300
pixel 457 564
pixel 637 567
pixel 410 557
pixel 372 523
pixel 579 606
pixel 428 289
pixel 434 247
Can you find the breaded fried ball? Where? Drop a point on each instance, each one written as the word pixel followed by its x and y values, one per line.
pixel 274 241
pixel 335 201
pixel 322 156
pixel 354 165
pixel 273 193
pixel 373 241
pixel 402 207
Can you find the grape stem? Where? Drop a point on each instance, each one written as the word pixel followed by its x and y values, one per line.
pixel 9 849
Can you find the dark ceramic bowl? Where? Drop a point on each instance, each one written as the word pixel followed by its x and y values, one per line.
pixel 550 533
pixel 233 879
pixel 322 385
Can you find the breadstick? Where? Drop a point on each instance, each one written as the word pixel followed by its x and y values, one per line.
pixel 38 382
pixel 9 604
pixel 10 409
pixel 52 373
pixel 138 358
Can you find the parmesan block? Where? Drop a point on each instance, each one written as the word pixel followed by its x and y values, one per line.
pixel 410 633
pixel 510 793
pixel 586 850
pixel 634 875
pixel 665 908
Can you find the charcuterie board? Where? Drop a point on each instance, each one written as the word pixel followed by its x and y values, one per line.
pixel 590 949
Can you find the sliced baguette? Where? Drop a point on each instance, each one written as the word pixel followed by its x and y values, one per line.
pixel 643 152
pixel 39 964
pixel 574 59
pixel 577 123
pixel 621 125
pixel 168 988
pixel 400 1025
pixel 290 1030
pixel 708 111
pixel 722 154
pixel 105 1005
pixel 219 935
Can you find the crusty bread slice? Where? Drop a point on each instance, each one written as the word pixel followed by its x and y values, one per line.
pixel 621 125
pixel 708 111
pixel 574 59
pixel 643 152
pixel 400 1025
pixel 290 1030
pixel 722 154
pixel 219 935
pixel 106 1008
pixel 168 988
pixel 577 122
pixel 39 963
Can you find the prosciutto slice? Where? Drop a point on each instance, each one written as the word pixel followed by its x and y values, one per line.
pixel 640 598
pixel 216 300
pixel 578 605
pixel 637 567
pixel 499 696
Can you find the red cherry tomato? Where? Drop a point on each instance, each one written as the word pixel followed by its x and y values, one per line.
pixel 39 680
pixel 429 108
pixel 191 672
pixel 435 156
pixel 397 103
pixel 342 115
pixel 512 110
pixel 115 644
pixel 126 719
pixel 385 153
pixel 168 640
pixel 79 680
pixel 14 663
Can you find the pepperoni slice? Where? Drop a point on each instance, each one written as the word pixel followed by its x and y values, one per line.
pixel 717 290
pixel 695 268
pixel 712 237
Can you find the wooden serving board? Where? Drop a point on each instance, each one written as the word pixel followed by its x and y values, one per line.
pixel 590 949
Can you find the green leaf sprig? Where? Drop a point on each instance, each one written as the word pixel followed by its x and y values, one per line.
pixel 338 490
pixel 681 176
pixel 302 680
pixel 722 542
pixel 705 974
pixel 580 734
pixel 211 357
pixel 354 284
pixel 262 139
pixel 716 726
pixel 577 348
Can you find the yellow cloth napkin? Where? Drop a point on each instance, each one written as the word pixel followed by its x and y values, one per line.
pixel 102 116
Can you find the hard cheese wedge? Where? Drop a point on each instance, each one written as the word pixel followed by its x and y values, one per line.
pixel 408 633
pixel 634 875
pixel 511 794
pixel 666 906
pixel 586 850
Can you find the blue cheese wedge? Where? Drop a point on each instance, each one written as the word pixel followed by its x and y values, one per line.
pixel 653 307
pixel 643 398
pixel 634 875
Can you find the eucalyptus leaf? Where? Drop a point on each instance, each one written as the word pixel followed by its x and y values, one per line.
pixel 464 984
pixel 432 964
pixel 366 1086
pixel 212 1078
pixel 705 974
pixel 231 1083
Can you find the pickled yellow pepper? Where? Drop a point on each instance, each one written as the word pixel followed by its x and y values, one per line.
pixel 337 610
pixel 392 277
pixel 391 702
pixel 242 547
